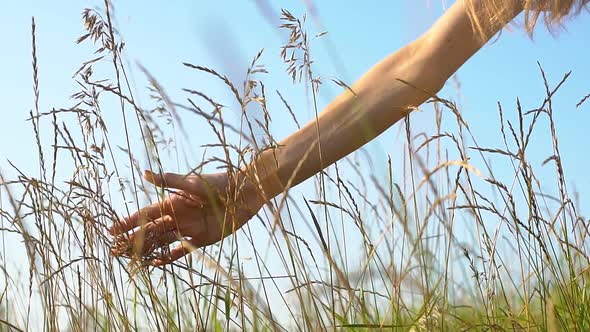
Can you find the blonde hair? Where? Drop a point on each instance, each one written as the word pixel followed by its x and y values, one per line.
pixel 493 13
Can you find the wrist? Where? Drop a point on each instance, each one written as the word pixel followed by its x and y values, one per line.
pixel 249 191
pixel 261 177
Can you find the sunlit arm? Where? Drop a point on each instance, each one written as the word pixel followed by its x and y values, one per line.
pixel 198 214
pixel 380 98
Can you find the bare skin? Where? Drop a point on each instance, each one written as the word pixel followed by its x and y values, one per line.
pixel 198 212
pixel 194 214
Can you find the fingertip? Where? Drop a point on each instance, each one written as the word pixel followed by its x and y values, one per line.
pixel 181 250
pixel 123 225
pixel 158 262
pixel 163 260
pixel 177 253
pixel 116 228
pixel 118 249
pixel 149 176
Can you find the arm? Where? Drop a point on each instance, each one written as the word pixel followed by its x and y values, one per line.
pixel 199 214
pixel 381 100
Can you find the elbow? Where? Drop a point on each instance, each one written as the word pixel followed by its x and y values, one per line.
pixel 424 82
pixel 423 72
pixel 433 75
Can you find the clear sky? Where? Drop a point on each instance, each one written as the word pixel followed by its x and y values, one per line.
pixel 226 35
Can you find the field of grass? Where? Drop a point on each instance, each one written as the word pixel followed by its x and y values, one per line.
pixel 442 243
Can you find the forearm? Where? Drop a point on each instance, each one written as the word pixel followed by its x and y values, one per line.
pixel 379 99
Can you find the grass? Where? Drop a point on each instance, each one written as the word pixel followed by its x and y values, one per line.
pixel 444 243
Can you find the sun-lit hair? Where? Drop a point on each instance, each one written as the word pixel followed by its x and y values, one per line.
pixel 487 13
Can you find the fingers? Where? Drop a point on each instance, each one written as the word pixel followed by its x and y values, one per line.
pixel 154 228
pixel 159 241
pixel 155 234
pixel 150 234
pixel 144 245
pixel 153 211
pixel 150 212
pixel 139 218
pixel 181 250
pixel 161 225
pixel 126 224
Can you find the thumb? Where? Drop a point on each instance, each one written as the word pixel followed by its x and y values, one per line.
pixel 199 186
pixel 169 180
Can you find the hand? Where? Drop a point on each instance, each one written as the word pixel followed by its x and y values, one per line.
pixel 197 215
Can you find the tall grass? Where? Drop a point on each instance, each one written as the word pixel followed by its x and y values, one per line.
pixel 444 242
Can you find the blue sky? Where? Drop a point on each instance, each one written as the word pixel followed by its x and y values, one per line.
pixel 227 35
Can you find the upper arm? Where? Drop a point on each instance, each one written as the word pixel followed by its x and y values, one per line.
pixel 453 39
